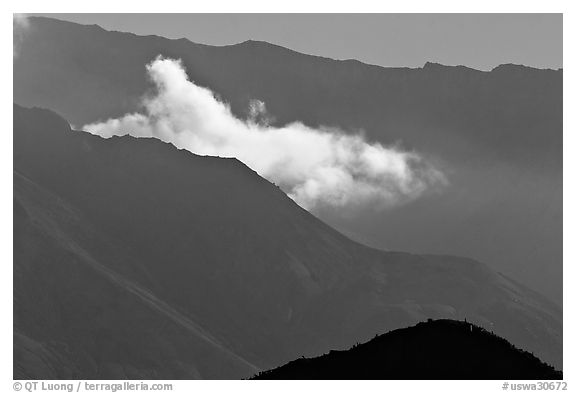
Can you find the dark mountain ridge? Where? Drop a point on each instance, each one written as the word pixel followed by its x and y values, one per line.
pixel 119 244
pixel 440 349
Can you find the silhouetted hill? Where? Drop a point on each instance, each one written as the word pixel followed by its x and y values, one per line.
pixel 133 259
pixel 441 349
pixel 497 135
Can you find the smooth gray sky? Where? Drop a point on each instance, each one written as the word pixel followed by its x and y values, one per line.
pixel 481 41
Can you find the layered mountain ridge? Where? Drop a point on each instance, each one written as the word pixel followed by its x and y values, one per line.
pixel 496 135
pixel 136 260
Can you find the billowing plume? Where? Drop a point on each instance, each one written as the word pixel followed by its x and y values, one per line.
pixel 314 166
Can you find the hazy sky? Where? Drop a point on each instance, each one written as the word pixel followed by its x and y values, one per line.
pixel 481 41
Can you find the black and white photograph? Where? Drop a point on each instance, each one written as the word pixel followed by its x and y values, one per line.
pixel 286 196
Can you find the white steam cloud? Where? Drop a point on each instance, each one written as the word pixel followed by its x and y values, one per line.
pixel 314 166
pixel 20 24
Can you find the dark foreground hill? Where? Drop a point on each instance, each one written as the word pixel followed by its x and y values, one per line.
pixel 441 349
pixel 133 259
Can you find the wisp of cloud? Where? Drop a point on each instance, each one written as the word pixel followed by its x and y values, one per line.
pixel 313 166
pixel 19 26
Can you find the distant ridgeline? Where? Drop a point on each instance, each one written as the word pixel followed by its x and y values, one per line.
pixel 437 349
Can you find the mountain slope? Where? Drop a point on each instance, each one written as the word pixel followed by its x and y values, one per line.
pixel 497 135
pixel 76 318
pixel 441 349
pixel 204 247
